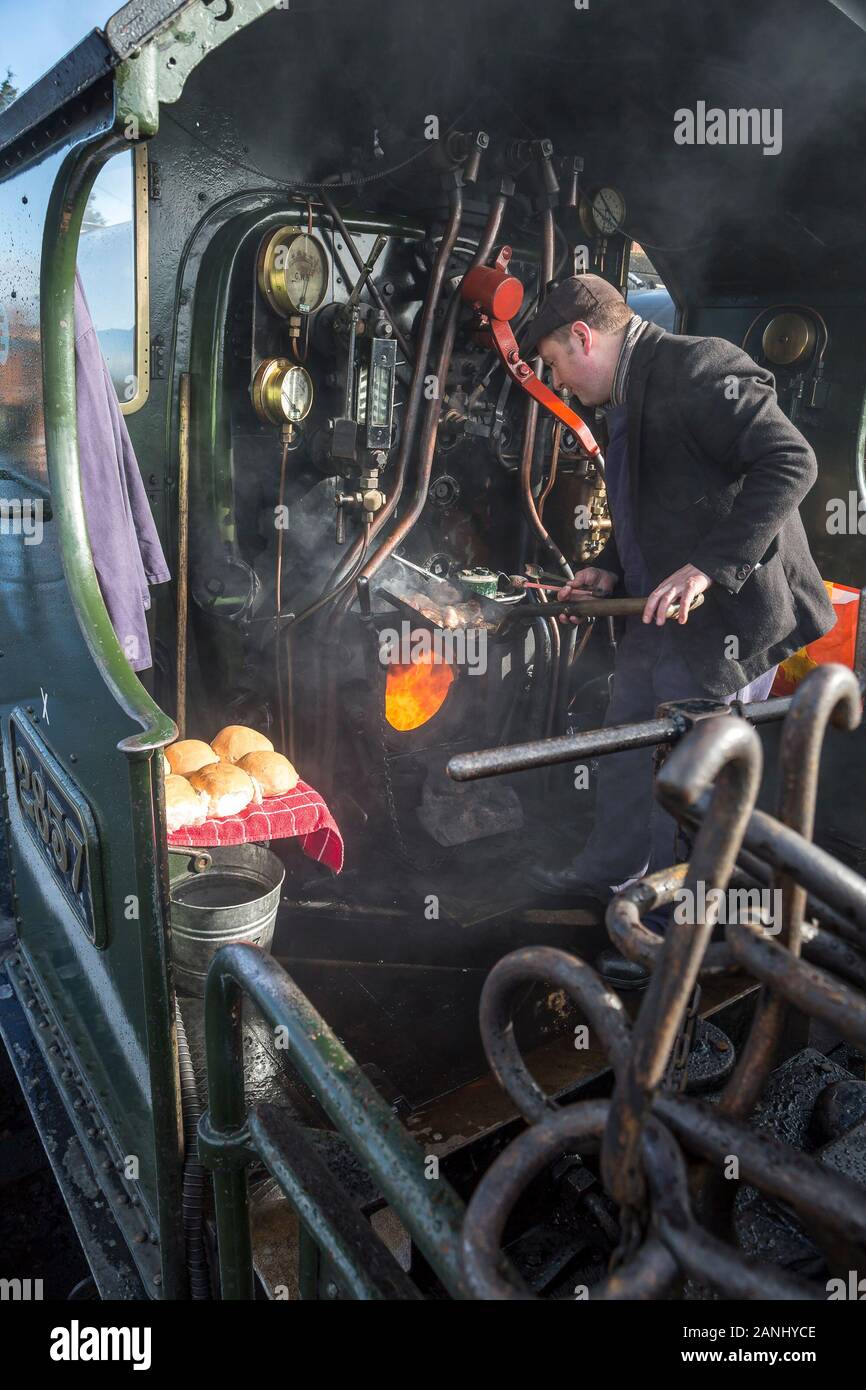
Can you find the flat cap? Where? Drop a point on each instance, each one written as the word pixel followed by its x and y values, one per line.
pixel 572 299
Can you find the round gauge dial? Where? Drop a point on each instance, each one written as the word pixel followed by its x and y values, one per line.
pixel 282 392
pixel 296 393
pixel 788 339
pixel 608 211
pixel 293 271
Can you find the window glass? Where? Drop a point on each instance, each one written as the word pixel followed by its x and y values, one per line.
pixel 106 260
pixel 647 293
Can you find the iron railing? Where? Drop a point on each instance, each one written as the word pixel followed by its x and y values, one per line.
pixel 231 1137
pixel 644 1133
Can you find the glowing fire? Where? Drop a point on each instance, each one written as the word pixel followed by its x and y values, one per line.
pixel 413 694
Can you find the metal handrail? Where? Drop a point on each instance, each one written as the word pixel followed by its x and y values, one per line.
pixel 230 1137
pixel 643 1128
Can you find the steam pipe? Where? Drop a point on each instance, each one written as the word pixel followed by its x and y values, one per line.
pixel 545 274
pixel 432 416
pixel 413 404
pixel 433 413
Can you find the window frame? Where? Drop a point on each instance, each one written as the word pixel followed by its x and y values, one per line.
pixel 141 242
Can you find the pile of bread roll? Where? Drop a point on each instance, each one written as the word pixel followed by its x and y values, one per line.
pixel 206 781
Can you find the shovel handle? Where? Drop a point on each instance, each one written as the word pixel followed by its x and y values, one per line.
pixel 598 608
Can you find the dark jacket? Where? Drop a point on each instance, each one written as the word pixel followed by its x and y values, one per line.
pixel 718 472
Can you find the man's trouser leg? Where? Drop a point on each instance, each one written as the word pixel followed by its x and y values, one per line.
pixel 632 834
pixel 619 845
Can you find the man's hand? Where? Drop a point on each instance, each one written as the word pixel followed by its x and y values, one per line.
pixel 682 586
pixel 587 583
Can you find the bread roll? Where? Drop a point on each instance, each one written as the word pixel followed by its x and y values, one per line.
pixel 166 766
pixel 234 741
pixel 189 755
pixel 274 773
pixel 228 788
pixel 183 804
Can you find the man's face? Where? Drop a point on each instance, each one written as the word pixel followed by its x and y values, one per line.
pixel 584 362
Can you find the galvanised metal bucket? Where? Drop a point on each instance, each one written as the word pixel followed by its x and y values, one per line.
pixel 220 896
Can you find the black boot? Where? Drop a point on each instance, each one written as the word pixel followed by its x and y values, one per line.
pixel 619 972
pixel 566 886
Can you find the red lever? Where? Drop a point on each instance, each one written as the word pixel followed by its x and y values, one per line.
pixel 498 296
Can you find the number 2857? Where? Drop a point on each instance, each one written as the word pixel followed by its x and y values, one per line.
pixel 61 838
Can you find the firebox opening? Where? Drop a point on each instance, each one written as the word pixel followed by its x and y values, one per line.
pixel 414 693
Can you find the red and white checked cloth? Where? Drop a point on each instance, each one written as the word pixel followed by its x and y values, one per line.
pixel 301 812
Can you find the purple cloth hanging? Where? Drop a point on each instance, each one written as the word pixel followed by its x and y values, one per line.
pixel 127 553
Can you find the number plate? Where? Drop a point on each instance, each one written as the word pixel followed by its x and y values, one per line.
pixel 61 823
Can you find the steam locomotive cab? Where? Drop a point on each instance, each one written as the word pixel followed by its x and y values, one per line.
pixel 353 486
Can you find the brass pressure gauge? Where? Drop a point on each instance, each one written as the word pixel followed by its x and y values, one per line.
pixel 788 339
pixel 292 271
pixel 282 392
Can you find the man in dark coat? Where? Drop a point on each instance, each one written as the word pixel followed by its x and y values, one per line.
pixel 704 476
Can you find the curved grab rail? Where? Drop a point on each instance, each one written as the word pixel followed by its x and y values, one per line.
pixel 429 1208
pixel 726 752
pixel 57 309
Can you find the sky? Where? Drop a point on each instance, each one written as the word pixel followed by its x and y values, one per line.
pixel 34 36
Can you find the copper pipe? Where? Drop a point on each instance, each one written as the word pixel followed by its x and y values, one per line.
pixel 530 431
pixel 413 403
pixel 554 464
pixel 182 549
pixel 432 415
pixel 278 603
